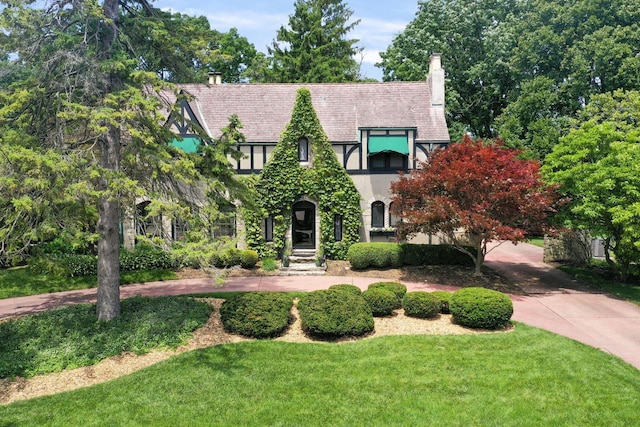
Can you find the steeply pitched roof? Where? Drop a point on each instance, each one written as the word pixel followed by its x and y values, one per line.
pixel 343 108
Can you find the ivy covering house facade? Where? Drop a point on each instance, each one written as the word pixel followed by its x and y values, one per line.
pixel 320 158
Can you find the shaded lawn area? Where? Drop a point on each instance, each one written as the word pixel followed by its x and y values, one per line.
pixel 593 276
pixel 20 282
pixel 72 337
pixel 527 377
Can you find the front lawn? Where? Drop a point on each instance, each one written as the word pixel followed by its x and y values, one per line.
pixel 20 282
pixel 527 377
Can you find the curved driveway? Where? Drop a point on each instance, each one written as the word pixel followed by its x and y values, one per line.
pixel 553 300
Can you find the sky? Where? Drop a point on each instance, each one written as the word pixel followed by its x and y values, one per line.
pixel 259 21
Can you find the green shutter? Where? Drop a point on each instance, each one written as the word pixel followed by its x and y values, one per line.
pixel 385 144
pixel 188 144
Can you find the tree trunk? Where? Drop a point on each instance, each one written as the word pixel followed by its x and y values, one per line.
pixel 108 299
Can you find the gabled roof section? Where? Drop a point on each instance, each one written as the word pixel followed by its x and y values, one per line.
pixel 187 121
pixel 343 108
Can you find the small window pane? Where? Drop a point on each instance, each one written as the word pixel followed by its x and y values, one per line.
pixel 303 149
pixel 268 229
pixel 396 161
pixel 337 228
pixel 377 214
pixel 394 220
pixel 377 161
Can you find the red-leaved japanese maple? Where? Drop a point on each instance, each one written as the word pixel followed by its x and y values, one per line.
pixel 473 192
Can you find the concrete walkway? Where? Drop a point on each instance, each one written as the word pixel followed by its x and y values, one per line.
pixel 554 301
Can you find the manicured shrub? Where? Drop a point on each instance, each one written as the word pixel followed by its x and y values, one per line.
pixel 374 254
pixel 345 287
pixel 381 301
pixel 228 257
pixel 248 258
pixel 444 297
pixel 257 314
pixel 145 257
pixel 421 254
pixel 331 313
pixel 421 304
pixel 480 308
pixel 397 288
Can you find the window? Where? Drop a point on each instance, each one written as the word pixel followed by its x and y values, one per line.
pixel 388 162
pixel 377 214
pixel 225 226
pixel 146 224
pixel 178 229
pixel 303 149
pixel 394 220
pixel 268 229
pixel 337 228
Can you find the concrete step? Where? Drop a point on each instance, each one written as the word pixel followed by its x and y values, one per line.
pixel 302 269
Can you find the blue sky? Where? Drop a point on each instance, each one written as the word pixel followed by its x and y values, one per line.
pixel 258 21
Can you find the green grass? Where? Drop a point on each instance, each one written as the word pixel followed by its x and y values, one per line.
pixel 71 337
pixel 538 241
pixel 595 278
pixel 19 281
pixel 527 377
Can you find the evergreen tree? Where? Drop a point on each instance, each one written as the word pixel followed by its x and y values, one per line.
pixel 83 88
pixel 314 48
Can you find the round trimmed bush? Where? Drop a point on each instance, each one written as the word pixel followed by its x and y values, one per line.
pixel 257 314
pixel 381 301
pixel 248 258
pixel 331 313
pixel 445 297
pixel 480 308
pixel 397 288
pixel 421 304
pixel 353 289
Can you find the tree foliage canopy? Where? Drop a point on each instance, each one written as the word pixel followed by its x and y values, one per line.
pixel 313 47
pixel 520 69
pixel 86 82
pixel 473 192
pixel 597 167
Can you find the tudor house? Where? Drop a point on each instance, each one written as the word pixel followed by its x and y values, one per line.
pixel 375 129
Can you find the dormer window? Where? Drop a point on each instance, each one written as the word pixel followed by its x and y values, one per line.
pixel 303 149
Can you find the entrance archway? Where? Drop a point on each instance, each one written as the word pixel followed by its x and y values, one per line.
pixel 303 225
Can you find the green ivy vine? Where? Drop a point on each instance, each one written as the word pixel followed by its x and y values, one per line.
pixel 284 181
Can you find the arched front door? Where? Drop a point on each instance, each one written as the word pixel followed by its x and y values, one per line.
pixel 303 225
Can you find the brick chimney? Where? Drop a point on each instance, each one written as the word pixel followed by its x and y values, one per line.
pixel 436 80
pixel 215 78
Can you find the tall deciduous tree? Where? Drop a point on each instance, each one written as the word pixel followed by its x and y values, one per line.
pixel 473 193
pixel 314 47
pixel 566 52
pixel 597 167
pixel 85 92
pixel 476 39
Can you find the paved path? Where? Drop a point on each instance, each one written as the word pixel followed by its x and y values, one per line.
pixel 554 301
pixel 558 303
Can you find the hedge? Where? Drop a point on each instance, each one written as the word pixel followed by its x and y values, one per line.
pixel 386 254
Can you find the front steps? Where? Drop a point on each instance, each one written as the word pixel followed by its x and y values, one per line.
pixel 303 263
